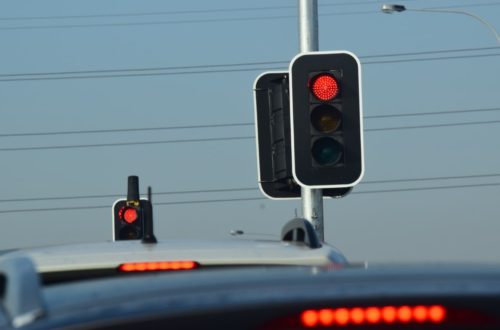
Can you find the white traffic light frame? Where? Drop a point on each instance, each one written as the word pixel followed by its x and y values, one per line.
pixel 305 173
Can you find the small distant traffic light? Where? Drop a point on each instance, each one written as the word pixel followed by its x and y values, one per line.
pixel 326 119
pixel 128 220
pixel 129 215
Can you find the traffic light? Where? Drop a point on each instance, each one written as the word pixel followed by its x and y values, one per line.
pixel 128 220
pixel 129 215
pixel 326 119
pixel 272 118
pixel 274 153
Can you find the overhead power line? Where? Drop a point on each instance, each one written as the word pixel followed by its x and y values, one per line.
pixel 219 139
pixel 184 21
pixel 166 68
pixel 172 22
pixel 178 192
pixel 227 68
pixel 222 125
pixel 152 74
pixel 223 200
pixel 127 130
pixel 432 126
pixel 181 12
pixel 476 185
pixel 225 190
pixel 133 143
pixel 432 59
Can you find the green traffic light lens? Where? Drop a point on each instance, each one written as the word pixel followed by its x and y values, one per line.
pixel 326 118
pixel 326 151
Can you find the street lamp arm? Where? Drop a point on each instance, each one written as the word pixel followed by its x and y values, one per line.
pixel 486 23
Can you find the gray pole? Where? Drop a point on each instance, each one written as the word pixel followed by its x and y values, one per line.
pixel 312 199
pixel 308 26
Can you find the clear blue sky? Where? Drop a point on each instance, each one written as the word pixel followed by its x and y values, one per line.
pixel 179 41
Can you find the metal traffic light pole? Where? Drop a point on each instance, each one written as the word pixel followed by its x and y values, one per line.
pixel 312 199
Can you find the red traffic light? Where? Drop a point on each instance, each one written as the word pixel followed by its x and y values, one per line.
pixel 324 87
pixel 128 214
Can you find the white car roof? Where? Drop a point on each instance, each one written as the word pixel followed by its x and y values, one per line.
pixel 234 251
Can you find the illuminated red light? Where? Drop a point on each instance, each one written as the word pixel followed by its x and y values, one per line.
pixel 437 313
pixel 157 266
pixel 342 316
pixel 310 318
pixel 130 215
pixel 324 87
pixel 389 314
pixel 404 314
pixel 373 315
pixel 326 317
pixel 357 315
pixel 420 313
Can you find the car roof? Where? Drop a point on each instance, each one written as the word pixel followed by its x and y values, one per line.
pixel 234 251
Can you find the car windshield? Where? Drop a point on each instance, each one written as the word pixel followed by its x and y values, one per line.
pixel 93 92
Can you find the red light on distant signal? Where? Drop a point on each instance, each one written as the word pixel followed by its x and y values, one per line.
pixel 157 266
pixel 324 87
pixel 373 315
pixel 130 215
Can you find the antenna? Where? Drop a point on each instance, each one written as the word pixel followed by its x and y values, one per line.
pixel 149 237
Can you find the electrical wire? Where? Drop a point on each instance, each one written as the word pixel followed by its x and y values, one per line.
pixel 178 192
pixel 222 200
pixel 210 191
pixel 189 21
pixel 180 12
pixel 234 70
pixel 223 68
pixel 131 129
pixel 133 143
pixel 219 139
pixel 221 125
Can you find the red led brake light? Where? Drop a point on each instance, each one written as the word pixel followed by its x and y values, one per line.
pixel 373 315
pixel 157 266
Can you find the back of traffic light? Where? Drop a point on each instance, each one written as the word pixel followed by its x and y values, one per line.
pixel 133 217
pixel 272 117
pixel 326 119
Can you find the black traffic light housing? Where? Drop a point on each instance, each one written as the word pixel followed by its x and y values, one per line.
pixel 274 153
pixel 133 217
pixel 326 119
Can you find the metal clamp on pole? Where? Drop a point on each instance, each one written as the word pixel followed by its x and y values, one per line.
pixel 300 231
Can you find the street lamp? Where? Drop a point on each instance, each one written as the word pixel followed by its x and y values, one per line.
pixel 391 8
